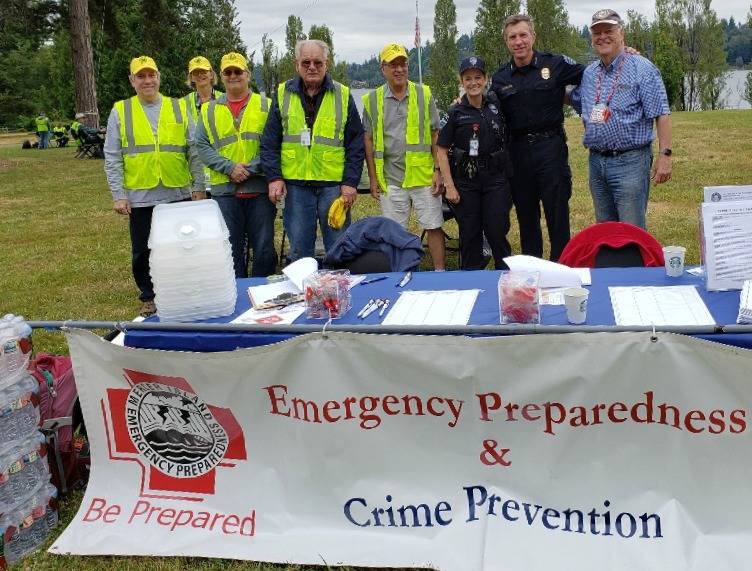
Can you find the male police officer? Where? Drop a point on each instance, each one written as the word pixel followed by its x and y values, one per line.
pixel 401 123
pixel 149 160
pixel 312 149
pixel 531 90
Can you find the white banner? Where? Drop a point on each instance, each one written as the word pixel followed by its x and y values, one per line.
pixel 580 451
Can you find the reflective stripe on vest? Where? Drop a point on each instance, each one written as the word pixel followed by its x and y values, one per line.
pixel 419 162
pixel 148 162
pixel 325 158
pixel 241 144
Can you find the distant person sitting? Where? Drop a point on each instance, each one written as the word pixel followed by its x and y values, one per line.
pixel 60 135
pixel 43 130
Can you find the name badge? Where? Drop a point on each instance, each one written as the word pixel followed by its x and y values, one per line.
pixel 474 146
pixel 305 137
pixel 600 114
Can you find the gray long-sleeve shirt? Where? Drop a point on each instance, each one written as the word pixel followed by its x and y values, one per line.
pixel 113 163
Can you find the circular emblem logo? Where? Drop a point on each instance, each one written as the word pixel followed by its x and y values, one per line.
pixel 715 197
pixel 601 14
pixel 675 262
pixel 545 73
pixel 174 430
pixel 473 60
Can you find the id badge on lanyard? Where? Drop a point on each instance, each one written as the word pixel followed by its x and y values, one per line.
pixel 600 114
pixel 474 142
pixel 305 137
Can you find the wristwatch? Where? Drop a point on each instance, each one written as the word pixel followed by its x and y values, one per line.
pixel 666 152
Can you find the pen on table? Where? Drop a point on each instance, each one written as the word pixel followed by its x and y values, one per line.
pixel 365 307
pixel 405 280
pixel 372 280
pixel 384 308
pixel 374 307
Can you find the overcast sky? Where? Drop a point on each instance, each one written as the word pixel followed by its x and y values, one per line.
pixel 361 28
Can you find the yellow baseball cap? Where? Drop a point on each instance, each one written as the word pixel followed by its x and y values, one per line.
pixel 142 62
pixel 392 52
pixel 199 62
pixel 234 59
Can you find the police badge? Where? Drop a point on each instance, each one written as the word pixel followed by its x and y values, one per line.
pixel 545 73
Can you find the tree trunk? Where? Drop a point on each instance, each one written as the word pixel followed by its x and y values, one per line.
pixel 83 63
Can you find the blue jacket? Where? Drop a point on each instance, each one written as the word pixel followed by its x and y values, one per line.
pixel 403 249
pixel 271 140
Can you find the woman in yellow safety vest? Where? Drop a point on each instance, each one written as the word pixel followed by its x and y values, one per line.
pixel 202 79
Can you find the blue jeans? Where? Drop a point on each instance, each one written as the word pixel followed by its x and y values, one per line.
pixel 44 139
pixel 620 186
pixel 305 205
pixel 251 225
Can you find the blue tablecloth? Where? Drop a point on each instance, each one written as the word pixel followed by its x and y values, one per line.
pixel 723 306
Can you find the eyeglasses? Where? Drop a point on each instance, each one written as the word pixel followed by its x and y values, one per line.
pixel 397 65
pixel 317 63
pixel 231 72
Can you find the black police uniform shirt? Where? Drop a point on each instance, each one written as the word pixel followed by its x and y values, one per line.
pixel 532 96
pixel 461 122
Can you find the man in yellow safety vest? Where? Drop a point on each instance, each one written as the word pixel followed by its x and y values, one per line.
pixel 149 160
pixel 228 138
pixel 401 126
pixel 312 149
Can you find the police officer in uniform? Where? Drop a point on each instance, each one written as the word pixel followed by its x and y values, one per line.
pixel 531 89
pixel 476 180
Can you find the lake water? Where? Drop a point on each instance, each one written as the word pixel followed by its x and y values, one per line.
pixel 732 93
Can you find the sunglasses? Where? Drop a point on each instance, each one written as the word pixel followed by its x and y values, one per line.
pixel 231 72
pixel 306 63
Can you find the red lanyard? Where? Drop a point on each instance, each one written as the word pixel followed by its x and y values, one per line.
pixel 613 85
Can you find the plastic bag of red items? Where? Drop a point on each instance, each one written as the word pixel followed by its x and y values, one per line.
pixel 327 294
pixel 518 297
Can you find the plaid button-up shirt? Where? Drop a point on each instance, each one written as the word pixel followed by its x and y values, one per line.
pixel 637 98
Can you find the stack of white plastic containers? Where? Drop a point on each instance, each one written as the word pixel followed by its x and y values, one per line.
pixel 28 502
pixel 191 262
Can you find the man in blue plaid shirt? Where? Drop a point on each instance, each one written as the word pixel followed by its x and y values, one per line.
pixel 620 97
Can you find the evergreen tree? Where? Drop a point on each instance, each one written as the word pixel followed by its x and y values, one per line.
pixel 747 93
pixel 269 65
pixel 443 63
pixel 293 33
pixel 489 30
pixel 638 33
pixel 553 32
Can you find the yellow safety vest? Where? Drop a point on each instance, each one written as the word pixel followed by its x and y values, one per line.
pixel 419 162
pixel 43 124
pixel 325 158
pixel 190 103
pixel 147 161
pixel 239 144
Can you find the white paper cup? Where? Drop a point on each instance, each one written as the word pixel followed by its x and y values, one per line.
pixel 576 298
pixel 674 259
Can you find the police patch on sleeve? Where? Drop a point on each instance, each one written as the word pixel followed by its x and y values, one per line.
pixel 568 59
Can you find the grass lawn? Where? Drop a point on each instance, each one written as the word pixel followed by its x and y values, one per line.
pixel 64 254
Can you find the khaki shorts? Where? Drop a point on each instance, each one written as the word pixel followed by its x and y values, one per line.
pixel 395 204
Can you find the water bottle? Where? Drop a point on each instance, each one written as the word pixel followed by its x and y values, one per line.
pixel 51 514
pixel 23 473
pixel 19 410
pixel 26 528
pixel 15 347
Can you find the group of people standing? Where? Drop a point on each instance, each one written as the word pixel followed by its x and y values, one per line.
pixel 304 146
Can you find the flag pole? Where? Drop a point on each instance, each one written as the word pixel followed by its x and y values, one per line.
pixel 418 43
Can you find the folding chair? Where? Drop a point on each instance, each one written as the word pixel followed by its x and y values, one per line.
pixel 612 244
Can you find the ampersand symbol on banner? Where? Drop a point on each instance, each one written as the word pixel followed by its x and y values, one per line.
pixel 493 457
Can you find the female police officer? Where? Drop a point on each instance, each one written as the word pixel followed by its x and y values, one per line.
pixel 476 183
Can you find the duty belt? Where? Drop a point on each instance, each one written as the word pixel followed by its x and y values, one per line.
pixel 535 136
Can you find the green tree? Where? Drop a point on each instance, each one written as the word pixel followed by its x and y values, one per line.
pixel 712 66
pixel 638 33
pixel 747 93
pixel 293 33
pixel 443 63
pixel 489 30
pixel 553 32
pixel 269 65
pixel 669 60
